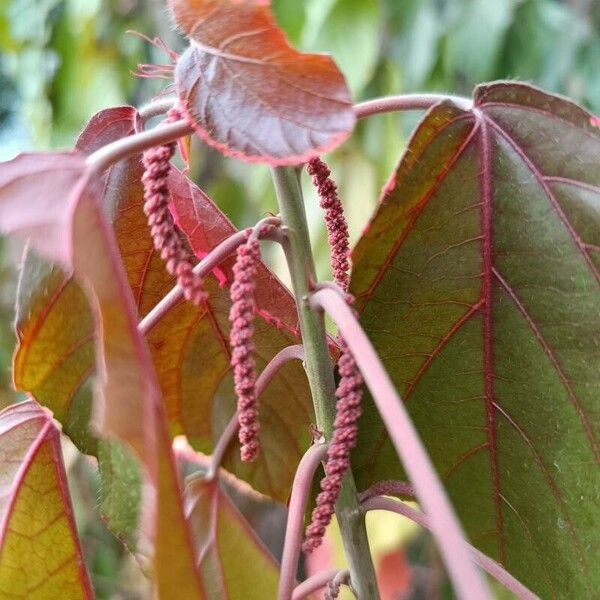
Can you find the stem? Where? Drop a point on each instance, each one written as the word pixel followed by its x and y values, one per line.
pixel 295 523
pixel 320 375
pixel 316 582
pixel 156 108
pixel 467 580
pixel 108 155
pixel 407 102
pixel 217 255
pixel 224 441
pixel 389 487
pixel 484 561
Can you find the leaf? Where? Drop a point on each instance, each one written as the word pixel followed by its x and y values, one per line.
pixel 232 559
pixel 129 405
pixel 477 281
pixel 40 552
pixel 189 346
pixel 54 359
pixel 248 93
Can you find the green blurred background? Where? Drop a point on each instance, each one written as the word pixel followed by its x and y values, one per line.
pixel 63 60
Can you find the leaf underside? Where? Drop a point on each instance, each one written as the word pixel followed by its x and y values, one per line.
pixel 231 558
pixel 477 281
pixel 248 93
pixel 40 553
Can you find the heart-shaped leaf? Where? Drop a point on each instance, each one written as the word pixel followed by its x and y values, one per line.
pixel 40 553
pixel 477 281
pixel 248 93
pixel 76 234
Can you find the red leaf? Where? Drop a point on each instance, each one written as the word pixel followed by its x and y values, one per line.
pixel 51 198
pixel 206 226
pixel 248 93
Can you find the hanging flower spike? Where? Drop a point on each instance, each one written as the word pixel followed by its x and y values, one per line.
pixel 179 262
pixel 241 317
pixel 337 227
pixel 343 440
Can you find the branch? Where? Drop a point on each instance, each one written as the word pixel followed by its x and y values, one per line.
pixel 108 155
pixel 278 361
pixel 217 255
pixel 485 562
pixel 407 102
pixel 389 487
pixel 156 108
pixel 295 523
pixel 467 580
pixel 318 581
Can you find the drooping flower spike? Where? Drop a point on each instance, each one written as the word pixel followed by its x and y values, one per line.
pixel 337 227
pixel 166 238
pixel 349 391
pixel 241 316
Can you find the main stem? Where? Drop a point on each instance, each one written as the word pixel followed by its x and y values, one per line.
pixel 319 371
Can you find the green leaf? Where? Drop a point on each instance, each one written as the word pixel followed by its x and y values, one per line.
pixel 328 29
pixel 40 552
pixel 477 280
pixel 232 559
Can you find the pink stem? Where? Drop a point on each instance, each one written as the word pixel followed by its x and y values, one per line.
pixel 108 155
pixel 134 144
pixel 467 580
pixel 316 582
pixel 281 358
pixel 485 562
pixel 217 255
pixel 406 102
pixel 156 108
pixel 295 523
pixel 389 487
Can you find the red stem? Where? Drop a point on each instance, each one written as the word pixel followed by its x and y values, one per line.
pixel 108 155
pixel 316 582
pixel 467 580
pixel 485 562
pixel 281 358
pixel 406 102
pixel 217 255
pixel 295 523
pixel 389 487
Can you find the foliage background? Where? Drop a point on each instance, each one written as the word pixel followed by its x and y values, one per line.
pixel 62 60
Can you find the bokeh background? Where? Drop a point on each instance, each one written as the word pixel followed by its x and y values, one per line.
pixel 63 60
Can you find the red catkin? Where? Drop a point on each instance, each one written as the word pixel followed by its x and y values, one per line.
pixel 337 228
pixel 241 317
pixel 343 440
pixel 179 262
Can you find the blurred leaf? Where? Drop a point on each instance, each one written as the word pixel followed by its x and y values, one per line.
pixel 477 281
pixel 360 19
pixel 291 16
pixel 474 47
pixel 40 553
pixel 231 557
